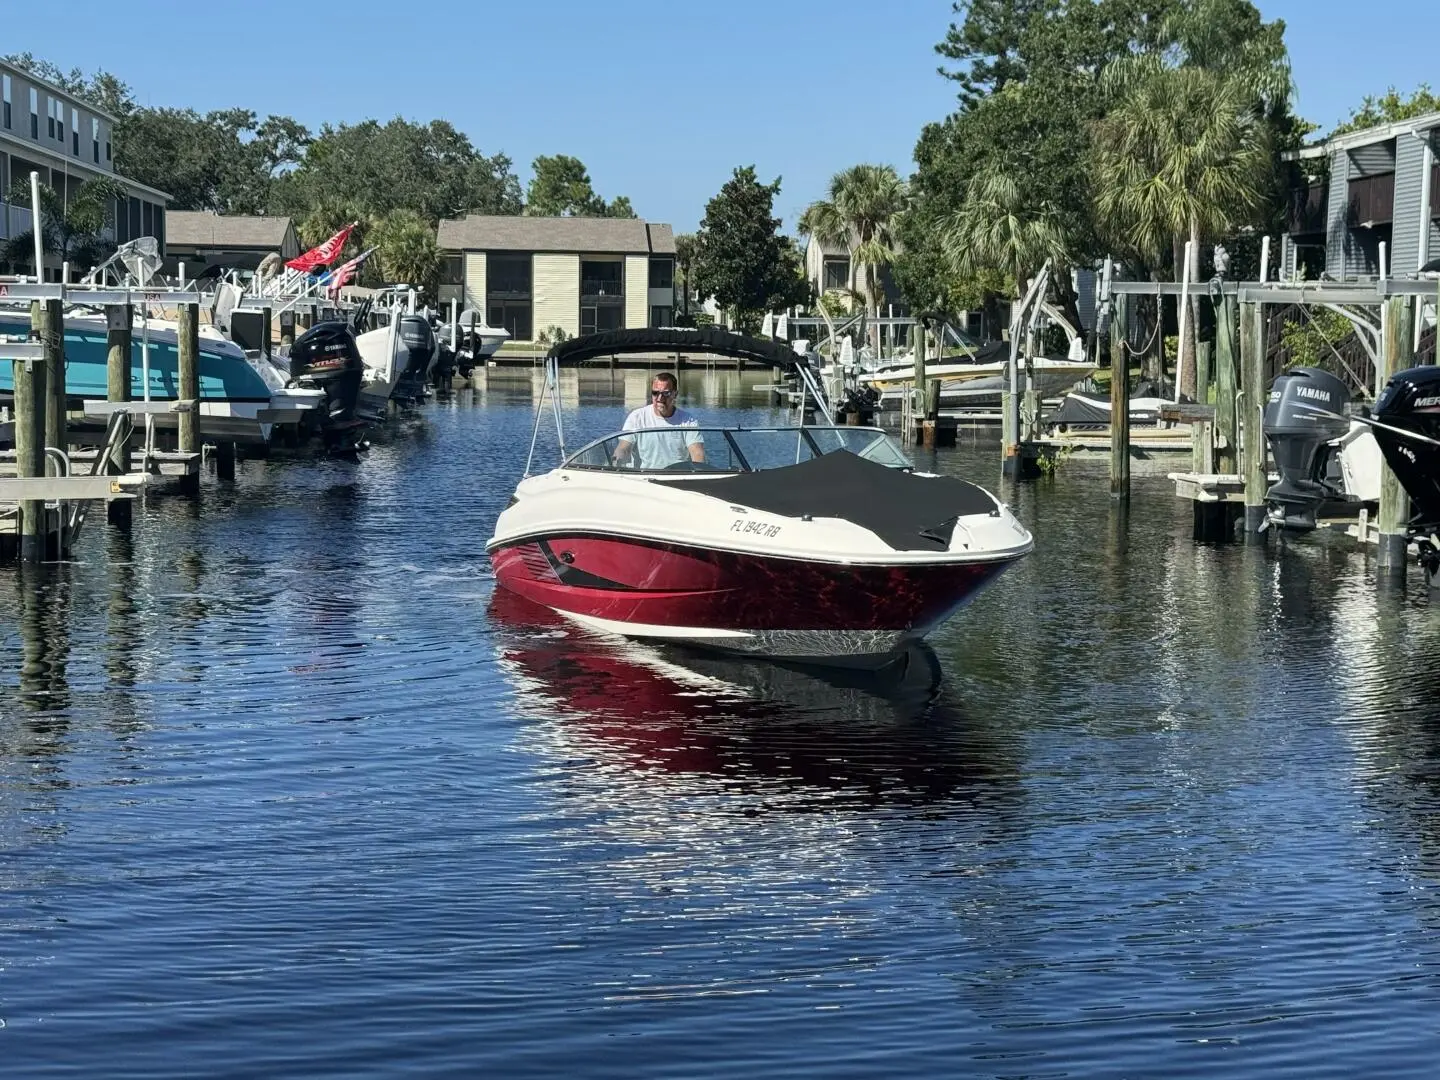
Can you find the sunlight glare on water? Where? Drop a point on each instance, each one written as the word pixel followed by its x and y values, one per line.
pixel 287 788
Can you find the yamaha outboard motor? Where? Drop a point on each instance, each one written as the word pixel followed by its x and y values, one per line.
pixel 1407 427
pixel 327 358
pixel 1302 419
pixel 415 348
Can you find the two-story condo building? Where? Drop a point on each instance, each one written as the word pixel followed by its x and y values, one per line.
pixel 67 141
pixel 579 274
pixel 1379 186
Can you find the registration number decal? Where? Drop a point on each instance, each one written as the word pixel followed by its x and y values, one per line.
pixel 754 528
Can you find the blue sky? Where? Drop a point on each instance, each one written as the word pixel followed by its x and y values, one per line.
pixel 660 98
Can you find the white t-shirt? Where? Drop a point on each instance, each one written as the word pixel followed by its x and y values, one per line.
pixel 669 444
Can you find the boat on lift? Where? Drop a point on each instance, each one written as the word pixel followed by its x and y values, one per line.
pixel 1326 458
pixel 1406 424
pixel 240 401
pixel 816 544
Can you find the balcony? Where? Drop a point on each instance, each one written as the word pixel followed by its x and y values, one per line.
pixel 1305 210
pixel 602 287
pixel 1371 201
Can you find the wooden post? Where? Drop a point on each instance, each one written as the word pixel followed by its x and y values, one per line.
pixel 225 461
pixel 1120 400
pixel 1203 352
pixel 1252 378
pixel 188 333
pixel 1394 515
pixel 30 451
pixel 118 320
pixel 53 338
pixel 1227 382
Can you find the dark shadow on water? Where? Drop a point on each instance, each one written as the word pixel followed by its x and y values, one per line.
pixel 891 737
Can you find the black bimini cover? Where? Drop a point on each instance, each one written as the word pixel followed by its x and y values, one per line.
pixel 907 512
pixel 702 339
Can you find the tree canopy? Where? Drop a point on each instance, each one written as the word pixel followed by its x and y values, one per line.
pixel 561 187
pixel 740 257
pixel 1389 108
pixel 1014 169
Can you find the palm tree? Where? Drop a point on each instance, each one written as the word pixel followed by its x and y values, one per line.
pixel 405 245
pixel 1182 155
pixel 70 228
pixel 997 228
pixel 862 214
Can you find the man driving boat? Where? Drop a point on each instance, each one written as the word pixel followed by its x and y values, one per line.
pixel 671 434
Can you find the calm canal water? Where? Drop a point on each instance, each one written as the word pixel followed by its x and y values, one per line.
pixel 286 790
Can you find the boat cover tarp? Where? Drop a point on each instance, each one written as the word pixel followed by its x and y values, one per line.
pixel 907 512
pixel 1079 411
pixel 701 339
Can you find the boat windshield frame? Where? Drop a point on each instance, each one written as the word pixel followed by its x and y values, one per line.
pixel 808 442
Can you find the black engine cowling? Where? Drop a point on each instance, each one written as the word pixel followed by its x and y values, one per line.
pixel 1303 417
pixel 1407 428
pixel 415 346
pixel 327 358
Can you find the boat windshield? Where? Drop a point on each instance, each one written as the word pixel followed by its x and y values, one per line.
pixel 732 450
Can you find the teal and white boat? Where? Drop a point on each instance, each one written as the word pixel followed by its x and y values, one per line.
pixel 241 398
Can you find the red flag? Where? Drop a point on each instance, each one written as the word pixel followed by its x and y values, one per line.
pixel 323 255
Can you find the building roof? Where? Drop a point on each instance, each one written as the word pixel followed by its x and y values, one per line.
pixel 479 232
pixel 203 229
pixel 1355 139
pixel 69 95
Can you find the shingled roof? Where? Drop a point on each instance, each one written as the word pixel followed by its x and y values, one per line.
pixel 203 229
pixel 622 236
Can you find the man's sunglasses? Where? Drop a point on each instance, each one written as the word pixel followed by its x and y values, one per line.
pixel 667 394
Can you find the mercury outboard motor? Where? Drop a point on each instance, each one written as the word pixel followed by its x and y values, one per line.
pixel 1407 427
pixel 1303 419
pixel 415 351
pixel 326 357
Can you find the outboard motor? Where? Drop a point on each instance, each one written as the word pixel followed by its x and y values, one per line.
pixel 1407 427
pixel 415 348
pixel 1303 419
pixel 326 357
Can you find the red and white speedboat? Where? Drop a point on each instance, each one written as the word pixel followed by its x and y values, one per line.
pixel 811 543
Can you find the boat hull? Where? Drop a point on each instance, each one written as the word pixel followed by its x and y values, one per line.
pixel 842 613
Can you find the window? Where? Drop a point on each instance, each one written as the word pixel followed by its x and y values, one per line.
pixel 107 149
pixel 34 113
pixel 662 274
pixel 508 275
pixel 452 270
pixel 75 132
pixel 835 275
pixel 513 315
pixel 598 317
pixel 5 85
pixel 95 138
pixel 662 316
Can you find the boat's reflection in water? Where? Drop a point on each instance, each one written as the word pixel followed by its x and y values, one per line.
pixel 686 718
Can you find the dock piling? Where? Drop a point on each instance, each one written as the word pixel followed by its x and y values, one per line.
pixel 30 452
pixel 1120 399
pixel 118 320
pixel 1226 383
pixel 52 337
pixel 1394 514
pixel 1251 410
pixel 189 389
